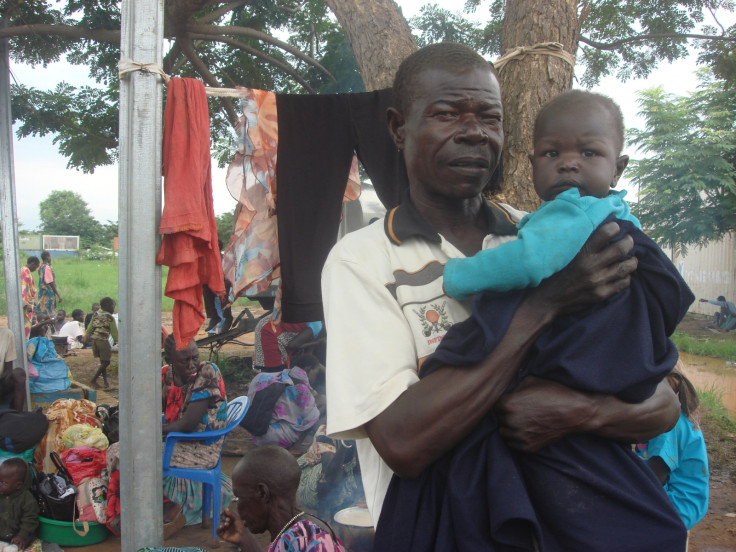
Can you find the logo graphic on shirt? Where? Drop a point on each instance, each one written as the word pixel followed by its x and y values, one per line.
pixel 433 319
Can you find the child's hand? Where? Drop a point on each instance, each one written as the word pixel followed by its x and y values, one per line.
pixel 20 542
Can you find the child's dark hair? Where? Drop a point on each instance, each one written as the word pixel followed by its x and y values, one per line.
pixel 686 393
pixel 18 465
pixel 77 312
pixel 577 98
pixel 32 259
pixel 107 304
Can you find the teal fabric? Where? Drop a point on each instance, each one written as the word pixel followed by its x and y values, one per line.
pixel 53 373
pixel 548 240
pixel 683 450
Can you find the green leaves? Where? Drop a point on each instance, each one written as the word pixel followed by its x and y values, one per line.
pixel 687 183
pixel 66 213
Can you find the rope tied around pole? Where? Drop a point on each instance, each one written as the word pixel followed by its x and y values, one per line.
pixel 127 66
pixel 543 49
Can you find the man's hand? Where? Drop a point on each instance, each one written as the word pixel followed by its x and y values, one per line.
pixel 598 272
pixel 540 412
pixel 230 529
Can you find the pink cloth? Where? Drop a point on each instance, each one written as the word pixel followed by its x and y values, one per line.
pixel 189 247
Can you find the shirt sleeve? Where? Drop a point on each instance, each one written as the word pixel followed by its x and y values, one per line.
pixel 114 329
pixel 370 353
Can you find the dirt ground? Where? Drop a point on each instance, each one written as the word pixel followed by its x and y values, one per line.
pixel 716 533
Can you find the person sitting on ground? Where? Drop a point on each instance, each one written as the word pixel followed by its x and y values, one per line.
pixel 18 508
pixel 59 321
pixel 74 330
pixel 92 313
pixel 330 479
pixel 12 380
pixel 100 330
pixel 29 291
pixel 193 395
pixel 47 290
pixel 679 457
pixel 265 483
pixel 725 317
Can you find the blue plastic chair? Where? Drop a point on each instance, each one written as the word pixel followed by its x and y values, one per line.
pixel 210 479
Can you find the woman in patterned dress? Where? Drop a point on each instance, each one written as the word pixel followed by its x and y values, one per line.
pixel 47 291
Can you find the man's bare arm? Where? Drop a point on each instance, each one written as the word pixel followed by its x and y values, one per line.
pixel 542 411
pixel 435 413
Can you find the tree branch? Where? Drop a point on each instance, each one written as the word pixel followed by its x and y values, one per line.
pixel 219 31
pixel 201 67
pixel 67 31
pixel 265 57
pixel 215 15
pixel 655 36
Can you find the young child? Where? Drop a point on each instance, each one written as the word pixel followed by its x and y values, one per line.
pixel 18 508
pixel 100 329
pixel 679 458
pixel 620 347
pixel 73 330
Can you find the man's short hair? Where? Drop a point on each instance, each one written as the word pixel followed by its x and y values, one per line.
pixel 576 98
pixel 77 312
pixel 447 56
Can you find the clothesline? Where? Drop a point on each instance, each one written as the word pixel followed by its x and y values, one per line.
pixel 127 66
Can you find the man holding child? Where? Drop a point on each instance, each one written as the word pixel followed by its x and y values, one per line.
pixel 386 309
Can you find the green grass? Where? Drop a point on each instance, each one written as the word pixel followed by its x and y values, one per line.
pixel 83 282
pixel 710 347
pixel 719 428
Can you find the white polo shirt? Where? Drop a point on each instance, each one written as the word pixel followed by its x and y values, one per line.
pixel 386 311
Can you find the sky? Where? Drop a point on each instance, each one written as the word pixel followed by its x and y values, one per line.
pixel 40 169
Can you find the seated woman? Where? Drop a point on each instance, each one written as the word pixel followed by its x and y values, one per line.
pixel 265 482
pixel 193 396
pixel 282 408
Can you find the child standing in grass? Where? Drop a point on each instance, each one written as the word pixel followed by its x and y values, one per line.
pixel 102 327
pixel 679 458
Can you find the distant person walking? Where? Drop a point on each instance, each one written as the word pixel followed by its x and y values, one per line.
pixel 29 290
pixel 47 290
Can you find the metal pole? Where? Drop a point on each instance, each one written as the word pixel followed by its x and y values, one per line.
pixel 139 278
pixel 9 218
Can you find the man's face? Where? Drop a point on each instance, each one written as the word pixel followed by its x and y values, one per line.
pixel 251 506
pixel 61 315
pixel 452 133
pixel 577 150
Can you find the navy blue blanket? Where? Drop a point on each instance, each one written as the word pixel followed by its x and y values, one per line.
pixel 581 492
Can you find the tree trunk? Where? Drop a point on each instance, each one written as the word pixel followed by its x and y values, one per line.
pixel 529 81
pixel 380 37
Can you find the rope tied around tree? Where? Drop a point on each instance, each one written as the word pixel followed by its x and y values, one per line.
pixel 127 66
pixel 543 49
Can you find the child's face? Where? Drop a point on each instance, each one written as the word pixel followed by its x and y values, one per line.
pixel 577 149
pixel 10 480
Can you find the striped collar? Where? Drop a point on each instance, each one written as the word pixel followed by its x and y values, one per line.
pixel 404 222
